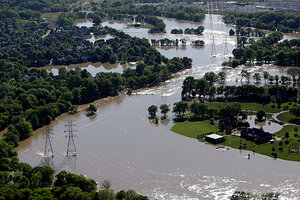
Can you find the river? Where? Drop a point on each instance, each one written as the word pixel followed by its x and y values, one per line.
pixel 121 145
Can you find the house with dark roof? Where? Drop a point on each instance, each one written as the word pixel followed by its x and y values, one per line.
pixel 256 135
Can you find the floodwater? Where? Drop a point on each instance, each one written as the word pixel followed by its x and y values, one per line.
pixel 120 144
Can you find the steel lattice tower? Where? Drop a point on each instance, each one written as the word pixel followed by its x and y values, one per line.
pixel 71 148
pixel 48 152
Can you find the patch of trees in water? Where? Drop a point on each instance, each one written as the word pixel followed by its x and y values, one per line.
pixel 190 31
pixel 204 88
pixel 123 10
pixel 268 49
pixel 275 21
pixel 175 43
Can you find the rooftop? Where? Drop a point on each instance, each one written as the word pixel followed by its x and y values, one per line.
pixel 215 136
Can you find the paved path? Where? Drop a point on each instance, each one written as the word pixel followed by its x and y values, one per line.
pixel 275 118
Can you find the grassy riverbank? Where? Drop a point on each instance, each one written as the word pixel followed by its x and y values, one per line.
pixel 192 128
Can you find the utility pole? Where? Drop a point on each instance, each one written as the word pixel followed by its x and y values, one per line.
pixel 48 152
pixel 71 149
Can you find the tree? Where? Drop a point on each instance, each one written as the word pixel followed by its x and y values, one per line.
pixel 250 54
pixel 152 110
pixel 222 77
pixel 261 115
pixel 276 79
pixel 212 91
pixel 96 19
pixel 257 77
pixel 231 32
pixel 266 76
pixel 271 79
pixel 211 77
pixel 74 193
pixel 106 184
pixel 199 109
pixel 201 87
pixel 180 108
pixel 106 194
pixel 293 72
pixel 240 195
pixel 245 74
pixel 295 111
pixel 44 176
pixel 188 85
pixel 164 109
pixel 92 109
pixel 231 110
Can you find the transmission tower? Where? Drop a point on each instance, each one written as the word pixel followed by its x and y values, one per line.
pixel 71 149
pixel 48 152
pixel 213 47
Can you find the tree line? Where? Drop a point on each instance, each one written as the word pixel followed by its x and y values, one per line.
pixel 159 25
pixel 204 89
pixel 176 42
pixel 275 21
pixel 268 49
pixel 190 31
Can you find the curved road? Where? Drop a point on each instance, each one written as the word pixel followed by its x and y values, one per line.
pixel 275 117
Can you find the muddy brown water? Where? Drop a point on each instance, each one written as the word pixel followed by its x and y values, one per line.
pixel 120 144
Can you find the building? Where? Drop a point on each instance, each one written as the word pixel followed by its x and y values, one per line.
pixel 256 135
pixel 214 138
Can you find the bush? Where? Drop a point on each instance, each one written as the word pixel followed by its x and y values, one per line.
pixel 286 142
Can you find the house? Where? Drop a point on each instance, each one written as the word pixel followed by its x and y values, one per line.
pixel 214 138
pixel 256 135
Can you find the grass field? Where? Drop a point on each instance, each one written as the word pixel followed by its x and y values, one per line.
pixel 269 108
pixel 288 118
pixel 192 129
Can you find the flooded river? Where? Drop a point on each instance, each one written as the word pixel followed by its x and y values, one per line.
pixel 119 143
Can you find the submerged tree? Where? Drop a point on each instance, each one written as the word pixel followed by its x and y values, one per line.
pixel 152 110
pixel 164 109
pixel 257 78
pixel 266 76
pixel 91 109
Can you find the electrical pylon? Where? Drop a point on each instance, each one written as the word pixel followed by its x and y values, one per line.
pixel 71 148
pixel 48 152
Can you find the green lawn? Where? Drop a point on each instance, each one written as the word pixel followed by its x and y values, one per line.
pixel 192 129
pixel 254 106
pixel 288 118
